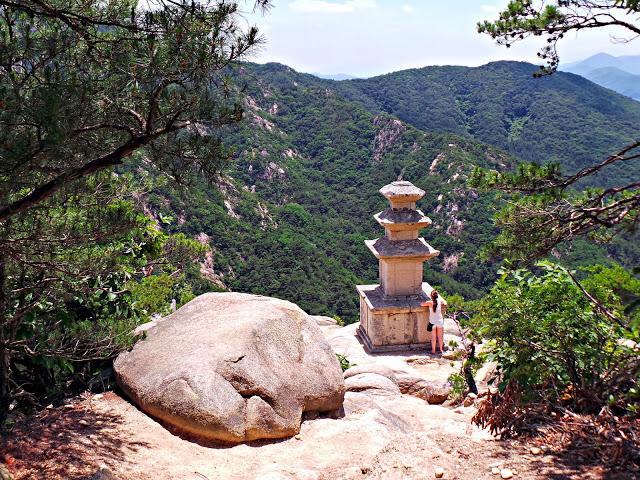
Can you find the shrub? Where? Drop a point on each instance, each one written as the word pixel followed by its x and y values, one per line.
pixel 552 341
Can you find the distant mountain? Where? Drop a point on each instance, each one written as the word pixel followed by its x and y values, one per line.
pixel 617 80
pixel 628 63
pixel 620 74
pixel 335 76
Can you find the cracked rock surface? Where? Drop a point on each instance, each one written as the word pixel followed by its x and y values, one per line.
pixel 233 367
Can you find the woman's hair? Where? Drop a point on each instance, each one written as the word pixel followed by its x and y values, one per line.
pixel 434 297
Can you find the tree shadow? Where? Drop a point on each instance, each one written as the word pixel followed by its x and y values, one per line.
pixel 221 445
pixel 574 450
pixel 65 442
pixel 577 460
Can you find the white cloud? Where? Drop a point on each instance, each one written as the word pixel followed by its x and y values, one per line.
pixel 407 9
pixel 322 6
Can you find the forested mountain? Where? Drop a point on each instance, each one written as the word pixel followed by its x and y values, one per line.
pixel 562 118
pixel 290 215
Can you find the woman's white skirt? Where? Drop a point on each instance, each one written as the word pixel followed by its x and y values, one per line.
pixel 437 322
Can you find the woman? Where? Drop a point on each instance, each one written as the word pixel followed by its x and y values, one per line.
pixel 437 310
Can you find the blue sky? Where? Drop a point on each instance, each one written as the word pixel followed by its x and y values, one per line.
pixel 371 37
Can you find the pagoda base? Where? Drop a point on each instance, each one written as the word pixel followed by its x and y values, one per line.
pixel 392 324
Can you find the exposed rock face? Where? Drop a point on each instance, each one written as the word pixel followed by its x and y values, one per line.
pixel 233 367
pixel 390 130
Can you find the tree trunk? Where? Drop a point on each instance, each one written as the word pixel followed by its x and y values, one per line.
pixel 468 370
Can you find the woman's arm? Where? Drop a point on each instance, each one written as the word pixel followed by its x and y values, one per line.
pixel 426 304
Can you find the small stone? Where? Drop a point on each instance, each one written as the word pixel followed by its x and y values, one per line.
pixel 103 473
pixel 439 472
pixel 535 451
pixel 84 423
pixel 98 396
pixel 506 473
pixel 495 471
pixel 450 355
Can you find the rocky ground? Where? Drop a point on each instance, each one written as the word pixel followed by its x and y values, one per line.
pixel 383 434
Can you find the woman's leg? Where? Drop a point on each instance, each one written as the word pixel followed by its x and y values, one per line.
pixel 434 339
pixel 440 338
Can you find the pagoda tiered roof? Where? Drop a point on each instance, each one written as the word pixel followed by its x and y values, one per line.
pixel 404 218
pixel 417 248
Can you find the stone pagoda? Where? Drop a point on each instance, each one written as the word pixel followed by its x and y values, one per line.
pixel 391 315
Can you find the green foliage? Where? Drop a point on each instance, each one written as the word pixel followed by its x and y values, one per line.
pixel 543 212
pixel 154 294
pixel 149 80
pixel 458 386
pixel 345 364
pixel 84 86
pixel 547 336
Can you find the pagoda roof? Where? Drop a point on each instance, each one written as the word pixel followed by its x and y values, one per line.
pixel 401 190
pixel 385 248
pixel 390 217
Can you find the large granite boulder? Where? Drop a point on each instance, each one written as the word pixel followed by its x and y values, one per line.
pixel 233 367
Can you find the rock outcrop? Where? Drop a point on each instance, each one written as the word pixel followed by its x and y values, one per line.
pixel 233 367
pixel 371 381
pixel 434 392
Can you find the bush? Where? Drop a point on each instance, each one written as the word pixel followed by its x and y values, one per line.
pixel 555 344
pixel 155 293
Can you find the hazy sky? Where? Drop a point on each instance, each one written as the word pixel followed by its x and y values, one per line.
pixel 370 37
